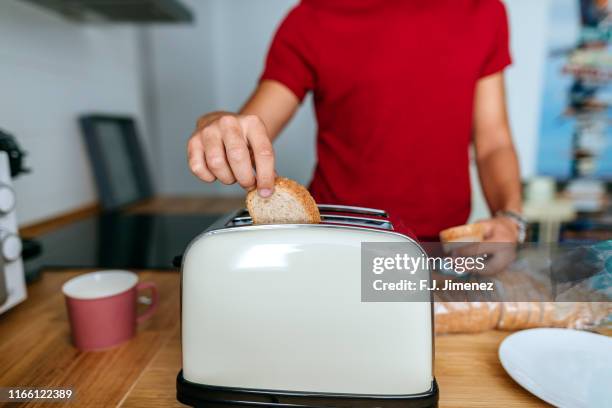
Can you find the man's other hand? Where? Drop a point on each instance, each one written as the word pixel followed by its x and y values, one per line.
pixel 500 229
pixel 499 245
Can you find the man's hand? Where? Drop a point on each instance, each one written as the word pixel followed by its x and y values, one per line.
pixel 227 147
pixel 501 235
pixel 500 229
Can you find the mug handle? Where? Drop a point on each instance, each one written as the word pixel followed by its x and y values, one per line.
pixel 154 300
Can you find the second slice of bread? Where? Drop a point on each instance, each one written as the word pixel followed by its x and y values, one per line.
pixel 290 203
pixel 463 233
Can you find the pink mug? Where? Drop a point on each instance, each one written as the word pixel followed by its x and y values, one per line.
pixel 102 307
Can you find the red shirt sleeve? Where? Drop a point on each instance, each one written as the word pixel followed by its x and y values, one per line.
pixel 498 54
pixel 289 58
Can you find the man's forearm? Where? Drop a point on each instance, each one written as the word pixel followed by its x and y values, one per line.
pixel 500 179
pixel 272 102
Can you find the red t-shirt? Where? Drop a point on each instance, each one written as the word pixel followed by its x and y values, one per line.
pixel 393 84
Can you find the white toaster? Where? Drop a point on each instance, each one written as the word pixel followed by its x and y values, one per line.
pixel 272 317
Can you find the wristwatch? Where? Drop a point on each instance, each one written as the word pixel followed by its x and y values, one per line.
pixel 518 219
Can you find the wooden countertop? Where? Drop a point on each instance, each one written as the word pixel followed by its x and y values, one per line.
pixel 35 351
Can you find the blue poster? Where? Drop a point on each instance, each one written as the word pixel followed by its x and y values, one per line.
pixel 575 132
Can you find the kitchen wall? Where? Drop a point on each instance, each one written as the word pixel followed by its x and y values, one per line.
pixel 52 70
pixel 212 65
pixel 525 78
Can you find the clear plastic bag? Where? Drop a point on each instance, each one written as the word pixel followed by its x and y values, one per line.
pixel 580 273
pixel 474 317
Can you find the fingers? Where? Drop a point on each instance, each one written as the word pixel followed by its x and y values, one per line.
pixel 214 153
pixel 467 249
pixel 499 262
pixel 498 256
pixel 237 152
pixel 220 151
pixel 195 157
pixel 263 154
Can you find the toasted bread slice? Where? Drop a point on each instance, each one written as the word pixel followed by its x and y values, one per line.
pixel 290 203
pixel 463 233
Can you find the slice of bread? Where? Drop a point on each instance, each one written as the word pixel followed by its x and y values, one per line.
pixel 290 203
pixel 463 233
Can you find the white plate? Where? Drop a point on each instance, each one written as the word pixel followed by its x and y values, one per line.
pixel 566 368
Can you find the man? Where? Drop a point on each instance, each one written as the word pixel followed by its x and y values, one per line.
pixel 401 89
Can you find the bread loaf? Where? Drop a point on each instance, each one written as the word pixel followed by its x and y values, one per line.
pixel 531 306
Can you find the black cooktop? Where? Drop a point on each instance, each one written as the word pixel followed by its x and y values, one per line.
pixel 130 241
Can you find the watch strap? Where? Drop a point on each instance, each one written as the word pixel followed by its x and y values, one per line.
pixel 518 219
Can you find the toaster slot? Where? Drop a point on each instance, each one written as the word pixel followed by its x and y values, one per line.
pixel 238 218
pixel 330 214
pixel 352 210
pixel 358 221
pixel 238 221
pixel 326 219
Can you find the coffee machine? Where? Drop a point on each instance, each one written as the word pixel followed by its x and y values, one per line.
pixel 12 278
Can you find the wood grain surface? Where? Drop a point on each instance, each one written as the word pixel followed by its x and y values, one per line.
pixel 188 205
pixel 35 350
pixel 156 205
pixel 50 224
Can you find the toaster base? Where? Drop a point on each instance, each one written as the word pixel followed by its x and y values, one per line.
pixel 201 395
